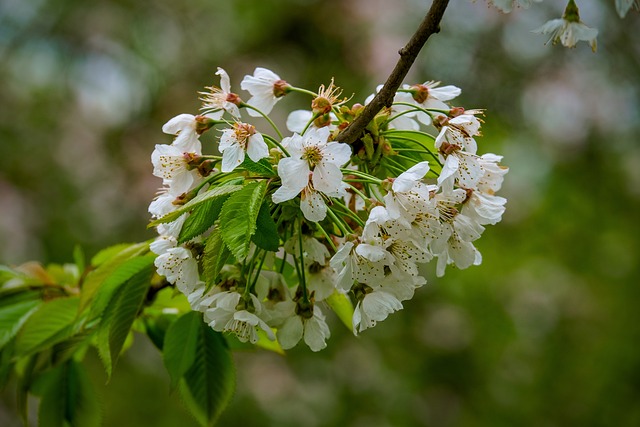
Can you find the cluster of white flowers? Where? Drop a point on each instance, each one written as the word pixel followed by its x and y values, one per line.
pixel 353 221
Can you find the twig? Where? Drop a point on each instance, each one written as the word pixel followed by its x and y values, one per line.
pixel 430 25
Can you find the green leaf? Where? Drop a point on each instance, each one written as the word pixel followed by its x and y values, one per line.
pixel 179 351
pixel 238 218
pixel 201 219
pixel 12 317
pixel 119 315
pixel 207 386
pixel 157 326
pixel 68 398
pixel 266 236
pixel 79 258
pixel 261 167
pixel 52 322
pixel 215 256
pixel 342 306
pixel 113 282
pixel 213 193
pixel 108 253
pixel 108 263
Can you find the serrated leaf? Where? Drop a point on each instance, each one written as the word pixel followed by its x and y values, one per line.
pixel 215 255
pixel 68 398
pixel 117 278
pixel 261 167
pixel 238 218
pixel 119 315
pixel 106 268
pixel 213 193
pixel 12 317
pixel 201 219
pixel 52 322
pixel 207 386
pixel 266 235
pixel 342 306
pixel 179 351
pixel 157 326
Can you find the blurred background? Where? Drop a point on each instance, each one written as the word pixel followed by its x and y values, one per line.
pixel 546 332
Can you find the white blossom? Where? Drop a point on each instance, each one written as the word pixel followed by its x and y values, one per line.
pixel 179 267
pixel 569 33
pixel 312 168
pixel 313 330
pixel 430 96
pixel 221 99
pixel 226 316
pixel 374 307
pixel 241 139
pixel 266 89
pixel 184 126
pixel 171 164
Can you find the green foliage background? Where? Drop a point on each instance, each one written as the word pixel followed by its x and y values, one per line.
pixel 545 332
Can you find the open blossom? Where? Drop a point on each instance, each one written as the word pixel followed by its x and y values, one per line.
pixel 172 165
pixel 226 315
pixel 373 307
pixel 185 127
pixel 569 30
pixel 266 88
pixel 238 140
pixel 312 168
pixel 408 195
pixel 179 267
pixel 221 99
pixel 430 96
pixel 312 328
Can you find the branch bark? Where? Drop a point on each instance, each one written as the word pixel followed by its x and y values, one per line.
pixel 430 25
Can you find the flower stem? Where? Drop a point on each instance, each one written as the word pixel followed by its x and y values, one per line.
pixel 276 143
pixel 267 118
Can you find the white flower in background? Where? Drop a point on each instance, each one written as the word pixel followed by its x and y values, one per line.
pixel 241 139
pixel 623 6
pixel 312 168
pixel 297 121
pixel 266 88
pixel 227 315
pixel 313 329
pixel 172 165
pixel 569 30
pixel 507 5
pixel 430 96
pixel 184 126
pixel 221 99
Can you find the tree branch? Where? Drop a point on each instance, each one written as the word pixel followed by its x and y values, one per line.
pixel 408 54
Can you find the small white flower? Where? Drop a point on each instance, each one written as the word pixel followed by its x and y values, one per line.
pixel 238 140
pixel 493 173
pixel 484 208
pixel 162 204
pixel 569 33
pixel 179 267
pixel 408 195
pixel 297 121
pixel 430 96
pixel 184 126
pixel 507 5
pixel 171 164
pixel 266 88
pixel 312 168
pixel 374 307
pixel 221 99
pixel 314 330
pixel 226 316
pixel 354 264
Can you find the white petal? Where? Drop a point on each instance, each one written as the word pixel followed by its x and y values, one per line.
pixel 313 207
pixel 298 119
pixel 336 153
pixel 256 147
pixel 225 82
pixel 232 157
pixel 178 123
pixel 294 173
pixel 291 332
pixel 328 179
pixel 408 179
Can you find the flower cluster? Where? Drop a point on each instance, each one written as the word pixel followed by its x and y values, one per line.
pixel 268 233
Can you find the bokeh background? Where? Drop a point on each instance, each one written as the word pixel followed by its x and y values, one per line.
pixel 546 332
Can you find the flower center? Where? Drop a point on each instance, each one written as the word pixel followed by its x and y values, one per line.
pixel 313 155
pixel 243 132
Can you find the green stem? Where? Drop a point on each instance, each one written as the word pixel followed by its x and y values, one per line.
pixel 327 237
pixel 361 174
pixel 267 118
pixel 339 223
pixel 276 143
pixel 301 90
pixel 303 281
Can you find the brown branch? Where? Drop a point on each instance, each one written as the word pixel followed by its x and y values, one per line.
pixel 430 25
